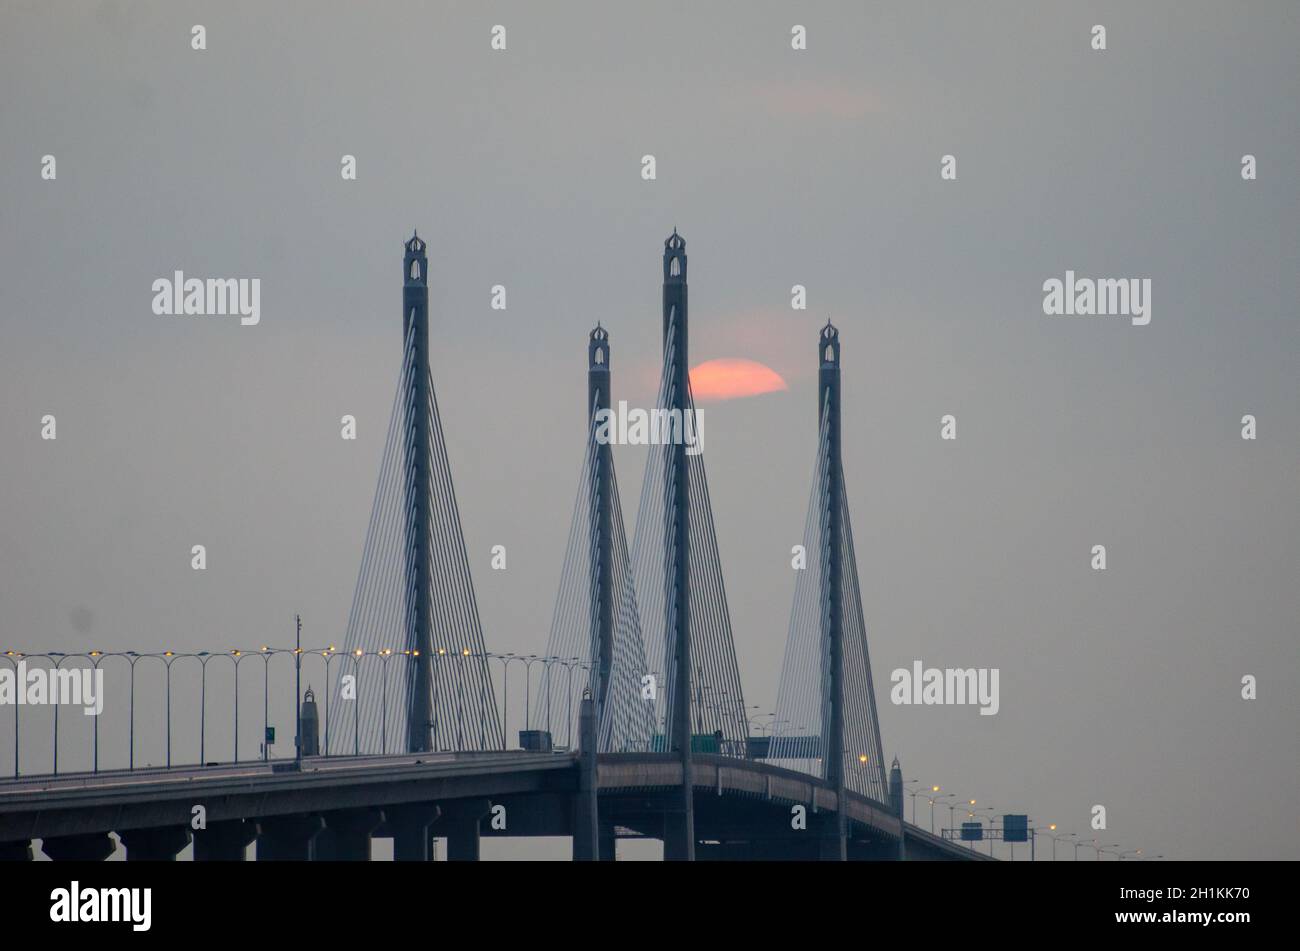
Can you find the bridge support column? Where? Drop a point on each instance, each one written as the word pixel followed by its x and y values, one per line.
pixel 607 841
pixel 91 847
pixel 16 851
pixel 832 840
pixel 154 845
pixel 225 841
pixel 347 833
pixel 288 838
pixel 586 812
pixel 679 833
pixel 409 825
pixel 459 822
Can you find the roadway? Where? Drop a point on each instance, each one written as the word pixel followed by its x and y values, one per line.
pixel 737 800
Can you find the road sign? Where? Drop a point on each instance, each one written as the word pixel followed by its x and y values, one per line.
pixel 1015 828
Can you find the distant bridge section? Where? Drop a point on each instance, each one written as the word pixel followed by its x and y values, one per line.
pixel 332 807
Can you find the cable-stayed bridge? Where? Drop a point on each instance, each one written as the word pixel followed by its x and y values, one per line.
pixel 635 726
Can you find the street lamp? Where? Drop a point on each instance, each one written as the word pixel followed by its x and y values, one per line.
pixel 329 654
pixel 919 792
pixel 913 794
pixel 1054 838
pixel 528 662
pixel 384 654
pixel 989 809
pixel 13 657
pixel 568 664
pixel 952 813
pixel 505 691
pixel 932 801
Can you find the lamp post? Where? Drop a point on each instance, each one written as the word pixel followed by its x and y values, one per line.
pixel 460 699
pixel 1054 838
pixel 863 761
pixel 266 702
pixel 505 692
pixel 913 794
pixel 168 658
pixel 437 697
pixel 13 658
pixel 95 657
pixel 329 654
pixel 356 703
pixel 761 726
pixel 952 812
pixel 297 690
pixel 568 664
pixel 992 821
pixel 546 673
pixel 202 658
pixel 234 659
pixel 165 662
pixel 528 662
pixel 919 792
pixel 384 654
pixel 98 660
pixel 57 664
pixel 972 814
pixel 932 801
pixel 239 656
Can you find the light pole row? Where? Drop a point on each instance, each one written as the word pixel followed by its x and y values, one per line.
pixel 97 659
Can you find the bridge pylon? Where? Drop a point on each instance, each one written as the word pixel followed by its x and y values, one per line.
pixel 825 721
pixel 596 625
pixel 602 521
pixel 418 496
pixel 414 658
pixel 832 615
pixel 679 825
pixel 650 625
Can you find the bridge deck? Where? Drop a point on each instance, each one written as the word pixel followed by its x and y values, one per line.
pixel 38 807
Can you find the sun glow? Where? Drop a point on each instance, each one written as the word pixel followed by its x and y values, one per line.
pixel 731 378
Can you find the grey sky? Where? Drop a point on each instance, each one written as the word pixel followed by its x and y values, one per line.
pixel 818 167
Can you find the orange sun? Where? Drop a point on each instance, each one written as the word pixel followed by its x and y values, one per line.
pixel 730 379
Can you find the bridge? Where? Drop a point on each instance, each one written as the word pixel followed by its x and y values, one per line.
pixel 636 726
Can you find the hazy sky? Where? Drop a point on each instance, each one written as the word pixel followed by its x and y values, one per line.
pixel 817 167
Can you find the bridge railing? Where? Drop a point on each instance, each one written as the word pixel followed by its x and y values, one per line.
pixel 100 710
